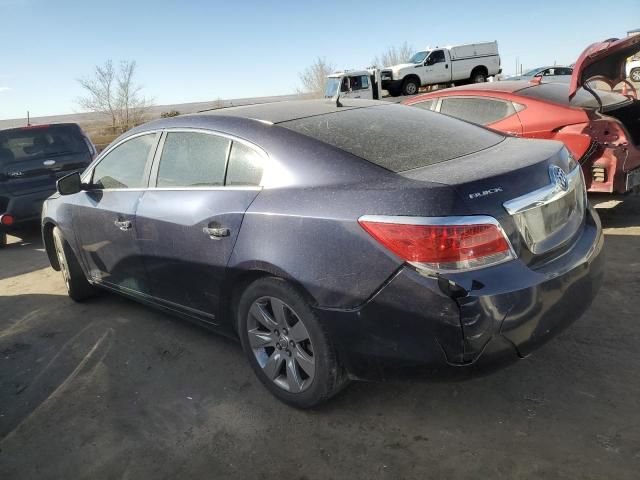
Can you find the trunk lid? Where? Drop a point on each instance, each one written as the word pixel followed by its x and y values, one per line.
pixel 533 188
pixel 604 60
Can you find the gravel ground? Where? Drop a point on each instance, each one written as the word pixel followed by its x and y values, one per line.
pixel 111 389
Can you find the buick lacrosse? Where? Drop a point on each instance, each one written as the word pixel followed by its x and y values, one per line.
pixel 362 240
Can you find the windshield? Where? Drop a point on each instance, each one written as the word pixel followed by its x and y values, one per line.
pixel 332 87
pixel 418 57
pixel 531 73
pixel 559 93
pixel 35 143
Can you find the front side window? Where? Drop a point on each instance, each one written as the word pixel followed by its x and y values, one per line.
pixel 437 56
pixel 245 166
pixel 483 111
pixel 123 167
pixel 193 159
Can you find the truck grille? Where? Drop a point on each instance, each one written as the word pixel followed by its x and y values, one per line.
pixel 548 217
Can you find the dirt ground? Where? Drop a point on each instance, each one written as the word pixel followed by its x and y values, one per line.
pixel 111 389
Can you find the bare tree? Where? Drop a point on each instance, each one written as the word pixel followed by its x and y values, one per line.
pixel 314 77
pixel 100 92
pixel 116 94
pixel 394 55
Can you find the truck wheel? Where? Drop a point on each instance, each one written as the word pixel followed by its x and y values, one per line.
pixel 635 75
pixel 410 87
pixel 478 77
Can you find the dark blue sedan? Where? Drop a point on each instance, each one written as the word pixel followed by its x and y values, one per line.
pixel 358 241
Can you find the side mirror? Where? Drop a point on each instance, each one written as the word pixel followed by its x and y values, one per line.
pixel 69 184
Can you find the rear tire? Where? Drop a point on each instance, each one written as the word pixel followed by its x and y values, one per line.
pixel 478 76
pixel 634 75
pixel 411 86
pixel 78 287
pixel 286 345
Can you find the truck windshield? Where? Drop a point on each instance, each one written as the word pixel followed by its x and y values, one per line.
pixel 418 57
pixel 333 83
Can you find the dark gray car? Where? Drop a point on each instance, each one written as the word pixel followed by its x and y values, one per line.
pixel 364 241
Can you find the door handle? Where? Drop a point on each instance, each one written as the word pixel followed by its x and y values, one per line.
pixel 123 225
pixel 216 233
pixel 446 65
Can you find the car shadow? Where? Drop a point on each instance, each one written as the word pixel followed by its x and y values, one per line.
pixel 624 214
pixel 24 253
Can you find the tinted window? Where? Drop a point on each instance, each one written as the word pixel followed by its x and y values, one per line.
pixel 396 137
pixel 559 93
pixel 123 167
pixel 436 56
pixel 427 104
pixel 191 159
pixel 34 143
pixel 359 82
pixel 477 110
pixel 245 166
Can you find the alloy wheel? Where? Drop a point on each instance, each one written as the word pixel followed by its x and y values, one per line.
pixel 281 344
pixel 62 260
pixel 635 74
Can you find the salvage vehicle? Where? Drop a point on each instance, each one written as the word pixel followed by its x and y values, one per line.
pixel 32 158
pixel 600 128
pixel 547 72
pixel 363 84
pixel 633 70
pixel 337 240
pixel 472 62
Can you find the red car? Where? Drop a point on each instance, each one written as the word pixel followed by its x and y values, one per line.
pixel 600 128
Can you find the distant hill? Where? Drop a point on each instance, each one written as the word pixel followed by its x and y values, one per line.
pixel 90 121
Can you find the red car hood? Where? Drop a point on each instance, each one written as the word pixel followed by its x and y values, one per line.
pixel 605 60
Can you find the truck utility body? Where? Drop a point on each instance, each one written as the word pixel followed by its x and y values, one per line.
pixel 472 62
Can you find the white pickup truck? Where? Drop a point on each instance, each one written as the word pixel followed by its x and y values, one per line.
pixel 472 62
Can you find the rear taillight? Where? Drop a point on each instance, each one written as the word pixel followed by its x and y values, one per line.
pixel 442 243
pixel 6 220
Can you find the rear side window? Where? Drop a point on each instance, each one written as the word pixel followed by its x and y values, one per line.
pixel 124 166
pixel 245 166
pixel 192 159
pixel 36 143
pixel 396 137
pixel 427 104
pixel 483 111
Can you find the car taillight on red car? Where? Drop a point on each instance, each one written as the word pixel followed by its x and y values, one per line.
pixel 442 243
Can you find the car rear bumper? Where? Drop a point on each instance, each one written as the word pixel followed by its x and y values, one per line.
pixel 24 208
pixel 415 327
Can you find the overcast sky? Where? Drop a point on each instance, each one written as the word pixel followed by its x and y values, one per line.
pixel 196 50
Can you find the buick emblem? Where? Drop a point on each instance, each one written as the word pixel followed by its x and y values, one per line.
pixel 558 177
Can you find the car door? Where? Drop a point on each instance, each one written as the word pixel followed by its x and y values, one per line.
pixel 104 214
pixel 495 113
pixel 438 69
pixel 203 182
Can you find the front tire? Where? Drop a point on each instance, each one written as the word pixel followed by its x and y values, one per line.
pixel 78 287
pixel 410 86
pixel 634 75
pixel 287 347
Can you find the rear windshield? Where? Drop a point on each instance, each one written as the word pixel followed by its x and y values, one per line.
pixel 559 93
pixel 35 143
pixel 396 137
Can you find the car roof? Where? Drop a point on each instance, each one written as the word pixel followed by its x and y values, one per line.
pixel 506 86
pixel 277 112
pixel 41 126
